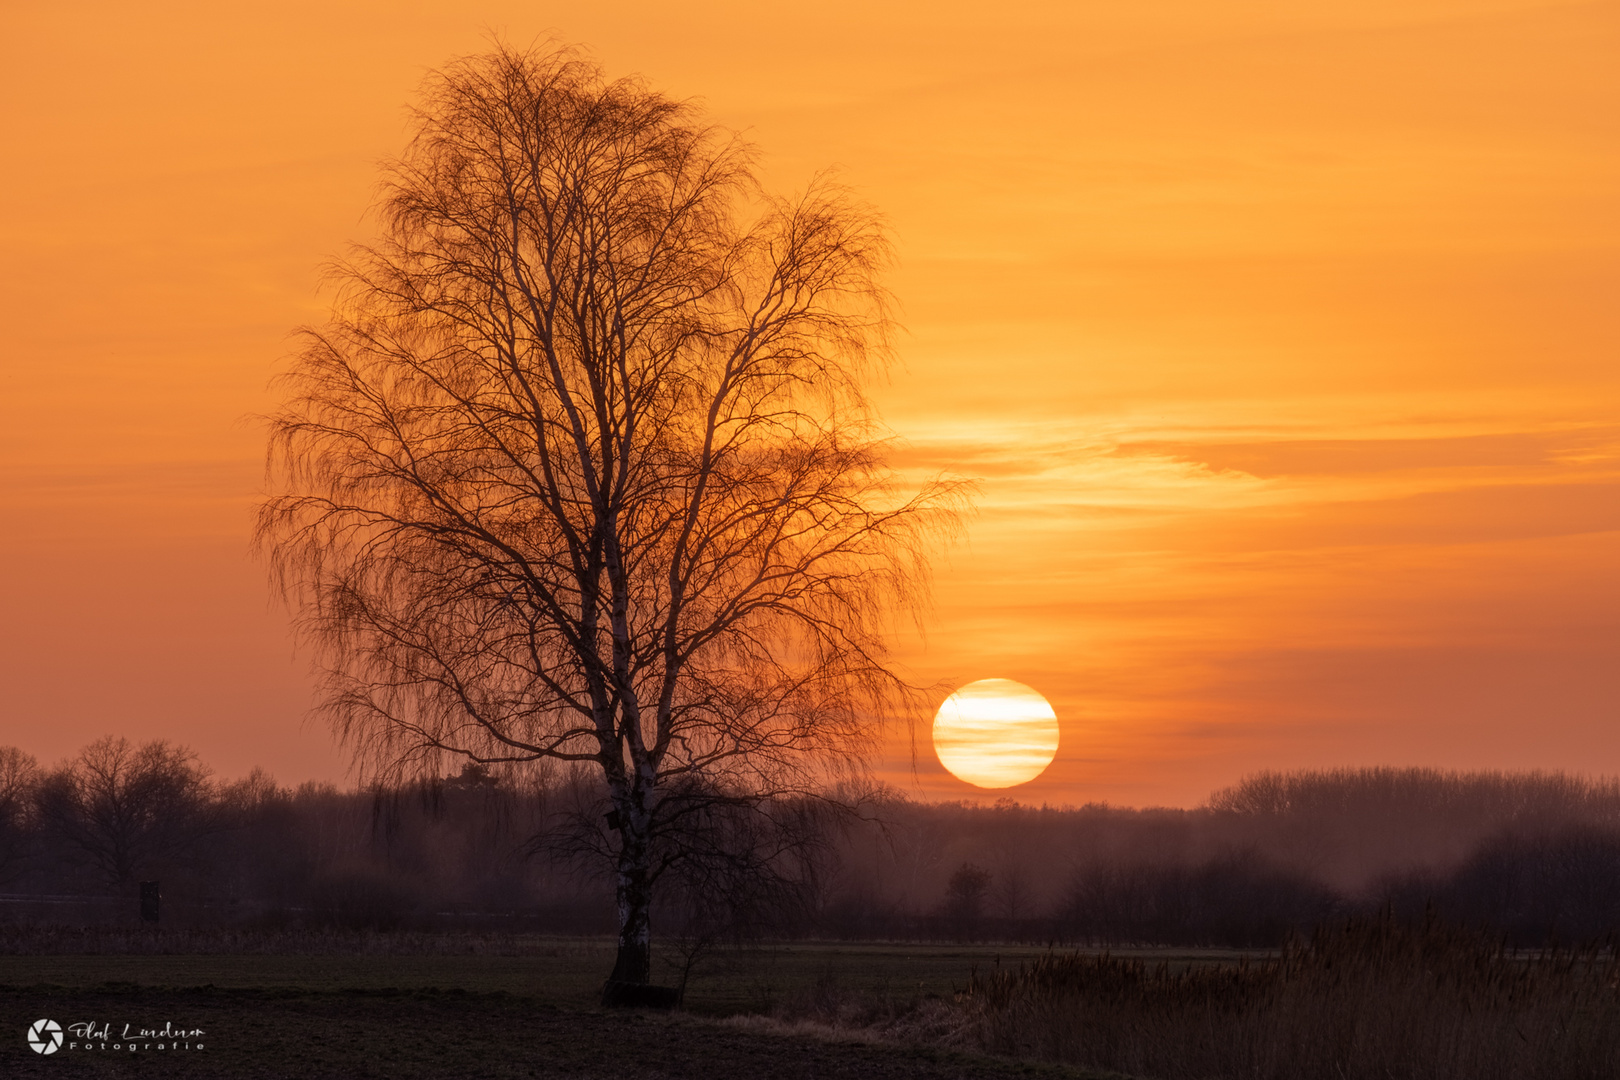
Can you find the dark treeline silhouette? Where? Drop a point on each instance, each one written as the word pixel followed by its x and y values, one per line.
pixel 76 840
pixel 1532 856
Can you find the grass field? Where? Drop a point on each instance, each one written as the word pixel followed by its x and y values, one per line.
pixel 526 1012
pixel 564 972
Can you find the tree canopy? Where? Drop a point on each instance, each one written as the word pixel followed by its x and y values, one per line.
pixel 582 469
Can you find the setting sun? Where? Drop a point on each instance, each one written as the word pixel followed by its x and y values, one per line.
pixel 995 733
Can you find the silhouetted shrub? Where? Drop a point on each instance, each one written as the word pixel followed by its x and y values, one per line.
pixel 361 900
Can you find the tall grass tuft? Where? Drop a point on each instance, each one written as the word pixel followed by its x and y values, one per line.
pixel 1367 998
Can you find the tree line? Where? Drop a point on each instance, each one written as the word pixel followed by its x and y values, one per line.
pixel 1533 855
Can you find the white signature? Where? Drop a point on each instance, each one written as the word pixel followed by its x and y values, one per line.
pixel 88 1035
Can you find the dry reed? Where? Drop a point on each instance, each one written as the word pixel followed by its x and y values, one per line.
pixel 1370 998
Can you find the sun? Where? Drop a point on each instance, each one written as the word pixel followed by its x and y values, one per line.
pixel 995 733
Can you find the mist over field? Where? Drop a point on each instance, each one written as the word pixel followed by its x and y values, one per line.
pixel 1535 856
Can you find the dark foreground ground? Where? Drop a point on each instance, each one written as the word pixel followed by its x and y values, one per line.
pixel 441 1034
pixel 457 1017
pixel 1358 1000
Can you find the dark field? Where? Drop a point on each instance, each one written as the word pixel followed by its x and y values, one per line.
pixel 397 1014
pixel 564 972
pixel 450 1034
pixel 1357 1000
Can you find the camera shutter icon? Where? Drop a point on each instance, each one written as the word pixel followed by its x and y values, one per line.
pixel 45 1036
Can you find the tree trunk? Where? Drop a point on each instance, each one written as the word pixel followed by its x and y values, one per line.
pixel 634 894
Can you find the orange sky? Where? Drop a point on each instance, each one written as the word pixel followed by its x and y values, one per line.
pixel 1282 336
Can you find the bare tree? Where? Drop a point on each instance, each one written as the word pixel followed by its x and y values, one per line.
pixel 19 778
pixel 965 894
pixel 581 469
pixel 1013 891
pixel 128 808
